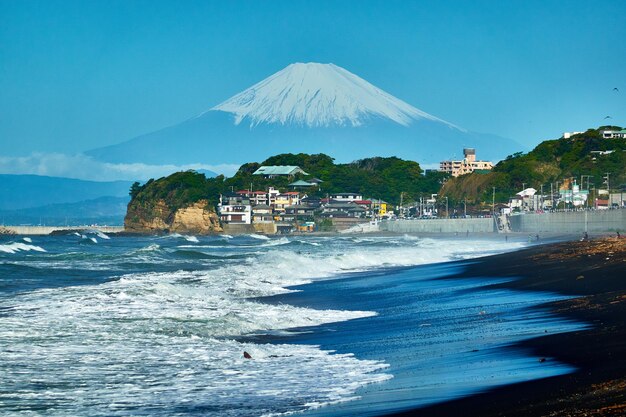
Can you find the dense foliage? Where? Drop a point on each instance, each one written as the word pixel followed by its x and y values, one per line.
pixel 390 178
pixel 177 190
pixel 380 178
pixel 551 161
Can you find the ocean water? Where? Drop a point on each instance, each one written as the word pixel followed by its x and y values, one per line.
pixel 98 325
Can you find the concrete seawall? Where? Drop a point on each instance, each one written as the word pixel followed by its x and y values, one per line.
pixel 478 225
pixel 46 230
pixel 570 222
pixel 599 221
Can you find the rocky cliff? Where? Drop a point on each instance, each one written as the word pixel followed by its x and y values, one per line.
pixel 156 216
pixel 178 203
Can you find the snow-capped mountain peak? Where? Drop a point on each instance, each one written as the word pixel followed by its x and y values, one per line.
pixel 318 95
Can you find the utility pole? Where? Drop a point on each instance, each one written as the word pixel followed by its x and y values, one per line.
pixel 493 202
pixel 606 181
pixel 447 214
pixel 464 207
pixel 557 190
pixel 608 187
pixel 401 195
pixel 541 198
pixel 551 197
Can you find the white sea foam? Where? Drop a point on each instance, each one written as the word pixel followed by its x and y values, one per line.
pixel 150 248
pixel 102 235
pixel 158 337
pixel 261 237
pixel 15 247
pixel 163 338
pixel 27 239
pixel 191 239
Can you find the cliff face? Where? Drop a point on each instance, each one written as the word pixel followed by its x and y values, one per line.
pixel 157 217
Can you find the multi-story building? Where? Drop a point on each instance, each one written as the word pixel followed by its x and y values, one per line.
pixel 262 213
pixel 235 208
pixel 283 200
pixel 467 165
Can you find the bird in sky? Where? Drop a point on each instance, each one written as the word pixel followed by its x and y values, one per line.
pixel 608 117
pixel 616 89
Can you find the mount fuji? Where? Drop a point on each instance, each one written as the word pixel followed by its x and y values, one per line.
pixel 311 108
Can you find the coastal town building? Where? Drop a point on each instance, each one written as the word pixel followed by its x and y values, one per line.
pixel 262 213
pixel 343 197
pixel 310 201
pixel 614 134
pixel 573 195
pixel 235 209
pixel 341 209
pixel 467 165
pixel 272 194
pixel 567 135
pixel 525 200
pixel 274 171
pixel 276 211
pixel 301 184
pixel 286 199
pixel 379 207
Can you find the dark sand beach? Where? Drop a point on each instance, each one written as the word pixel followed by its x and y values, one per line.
pixel 594 272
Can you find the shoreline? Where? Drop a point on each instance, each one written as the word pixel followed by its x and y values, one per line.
pixel 592 272
pixel 401 336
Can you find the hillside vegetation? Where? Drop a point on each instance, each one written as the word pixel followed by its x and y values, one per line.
pixel 384 178
pixel 551 161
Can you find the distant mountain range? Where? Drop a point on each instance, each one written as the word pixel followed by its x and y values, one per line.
pixel 27 191
pixel 103 210
pixel 310 108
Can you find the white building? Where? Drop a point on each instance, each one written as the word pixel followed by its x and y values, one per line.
pixel 525 200
pixel 346 197
pixel 567 135
pixel 574 196
pixel 614 134
pixel 235 209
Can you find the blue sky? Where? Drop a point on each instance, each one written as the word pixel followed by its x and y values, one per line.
pixel 84 74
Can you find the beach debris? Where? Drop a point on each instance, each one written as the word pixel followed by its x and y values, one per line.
pixel 247 355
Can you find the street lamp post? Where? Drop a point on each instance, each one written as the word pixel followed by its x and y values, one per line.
pixel 447 214
pixel 493 202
